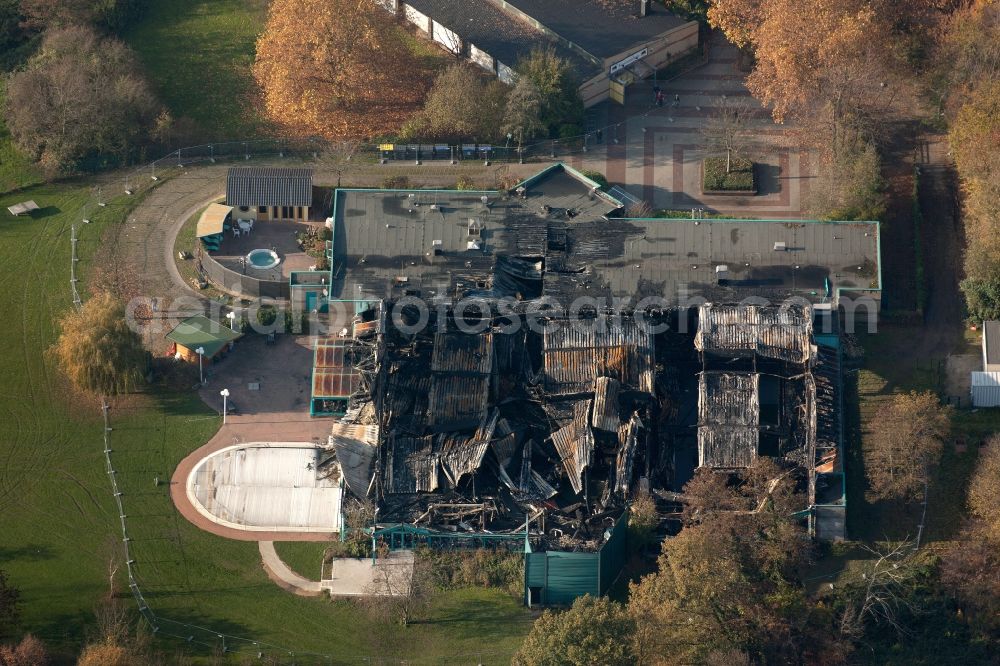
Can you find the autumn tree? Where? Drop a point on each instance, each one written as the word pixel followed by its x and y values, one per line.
pixel 337 68
pixel 112 15
pixel 522 116
pixel 463 104
pixel 849 185
pixel 975 144
pixel 98 350
pixel 593 632
pixel 905 438
pixel 80 96
pixel 968 573
pixel 9 599
pixel 28 652
pixel 727 583
pixel 984 491
pixel 643 520
pixel 561 107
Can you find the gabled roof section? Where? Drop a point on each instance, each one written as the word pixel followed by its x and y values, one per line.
pixel 576 352
pixel 728 419
pixel 781 332
pixel 200 331
pixel 269 186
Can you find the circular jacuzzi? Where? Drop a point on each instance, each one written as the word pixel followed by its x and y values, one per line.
pixel 263 259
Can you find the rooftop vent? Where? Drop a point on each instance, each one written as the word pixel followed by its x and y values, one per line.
pixel 473 244
pixel 780 246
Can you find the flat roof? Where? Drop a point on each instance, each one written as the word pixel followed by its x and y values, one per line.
pixel 500 34
pixel 991 341
pixel 601 27
pixel 267 486
pixel 557 240
pixel 200 331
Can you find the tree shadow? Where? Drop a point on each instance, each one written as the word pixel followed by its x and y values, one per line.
pixel 31 551
pixel 768 178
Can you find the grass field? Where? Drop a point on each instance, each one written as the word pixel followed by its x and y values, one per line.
pixel 58 525
pixel 198 55
pixel 302 557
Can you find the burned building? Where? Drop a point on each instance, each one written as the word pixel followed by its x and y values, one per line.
pixel 523 363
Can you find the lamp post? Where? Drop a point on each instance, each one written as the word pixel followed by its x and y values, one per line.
pixel 231 316
pixel 225 394
pixel 200 351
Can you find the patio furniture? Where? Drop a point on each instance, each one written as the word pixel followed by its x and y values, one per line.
pixel 236 232
pixel 245 226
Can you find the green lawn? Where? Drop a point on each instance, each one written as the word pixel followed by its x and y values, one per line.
pixel 302 557
pixel 198 55
pixel 57 518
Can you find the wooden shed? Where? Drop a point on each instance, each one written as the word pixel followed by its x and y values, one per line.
pixel 200 331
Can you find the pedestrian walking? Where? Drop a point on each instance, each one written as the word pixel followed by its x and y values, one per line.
pixel 659 98
pixel 677 99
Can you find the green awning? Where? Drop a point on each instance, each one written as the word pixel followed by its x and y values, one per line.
pixel 211 221
pixel 200 331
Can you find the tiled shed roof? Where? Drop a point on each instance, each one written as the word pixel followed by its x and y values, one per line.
pixel 269 186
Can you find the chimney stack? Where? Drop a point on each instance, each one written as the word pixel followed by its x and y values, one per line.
pixel 643 8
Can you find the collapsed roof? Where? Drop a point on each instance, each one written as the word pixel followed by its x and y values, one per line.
pixel 563 424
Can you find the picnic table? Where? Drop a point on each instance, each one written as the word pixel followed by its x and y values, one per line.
pixel 22 208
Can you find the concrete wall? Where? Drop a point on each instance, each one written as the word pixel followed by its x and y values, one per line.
pixel 482 58
pixel 446 38
pixel 416 18
pixel 237 283
pixel 505 73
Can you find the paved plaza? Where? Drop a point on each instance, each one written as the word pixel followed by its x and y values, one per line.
pixel 659 151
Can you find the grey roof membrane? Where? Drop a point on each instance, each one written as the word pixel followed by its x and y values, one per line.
pixel 601 27
pixel 991 333
pixel 500 34
pixel 396 243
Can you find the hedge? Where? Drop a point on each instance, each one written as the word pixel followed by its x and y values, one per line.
pixel 739 179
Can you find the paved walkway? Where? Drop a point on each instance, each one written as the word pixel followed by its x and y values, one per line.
pixel 287 579
pixel 350 577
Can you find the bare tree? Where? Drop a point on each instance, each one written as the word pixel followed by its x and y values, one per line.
pixel 881 595
pixel 398 591
pixel 81 94
pixel 726 131
pixel 338 154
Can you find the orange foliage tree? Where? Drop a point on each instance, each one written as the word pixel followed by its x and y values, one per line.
pixel 337 68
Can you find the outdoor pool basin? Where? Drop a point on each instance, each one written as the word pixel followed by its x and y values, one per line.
pixel 263 259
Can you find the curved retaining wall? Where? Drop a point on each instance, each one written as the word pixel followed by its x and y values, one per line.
pixel 231 281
